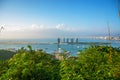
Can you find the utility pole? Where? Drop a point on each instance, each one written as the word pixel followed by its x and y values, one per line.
pixel 108 31
pixel 118 6
pixel 109 37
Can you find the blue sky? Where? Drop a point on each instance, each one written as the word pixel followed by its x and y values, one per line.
pixel 71 17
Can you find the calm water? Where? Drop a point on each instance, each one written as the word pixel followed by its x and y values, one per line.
pixel 50 48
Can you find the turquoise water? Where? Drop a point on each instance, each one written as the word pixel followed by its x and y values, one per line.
pixel 50 47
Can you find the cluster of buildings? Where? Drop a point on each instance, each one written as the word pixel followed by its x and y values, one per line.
pixel 108 38
pixel 67 40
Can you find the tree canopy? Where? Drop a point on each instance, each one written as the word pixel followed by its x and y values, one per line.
pixel 93 63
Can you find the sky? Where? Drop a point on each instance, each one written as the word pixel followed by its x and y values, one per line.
pixel 58 18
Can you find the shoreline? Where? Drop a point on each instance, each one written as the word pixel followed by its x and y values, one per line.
pixel 47 43
pixel 26 43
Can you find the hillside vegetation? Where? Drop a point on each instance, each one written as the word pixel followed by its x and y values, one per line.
pixel 5 54
pixel 93 63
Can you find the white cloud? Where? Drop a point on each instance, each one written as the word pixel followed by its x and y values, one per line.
pixel 42 31
pixel 35 26
pixel 37 31
pixel 60 26
pixel 65 28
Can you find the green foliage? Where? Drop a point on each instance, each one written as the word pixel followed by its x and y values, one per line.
pixel 31 65
pixel 4 54
pixel 93 63
pixel 3 66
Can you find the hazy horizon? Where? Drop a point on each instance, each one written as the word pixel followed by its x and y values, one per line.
pixel 25 19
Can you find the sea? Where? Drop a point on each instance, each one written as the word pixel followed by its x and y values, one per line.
pixel 50 45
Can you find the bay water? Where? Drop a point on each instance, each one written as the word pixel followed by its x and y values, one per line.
pixel 50 45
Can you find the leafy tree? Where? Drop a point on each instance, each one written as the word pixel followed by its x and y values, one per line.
pixel 92 64
pixel 5 54
pixel 31 65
